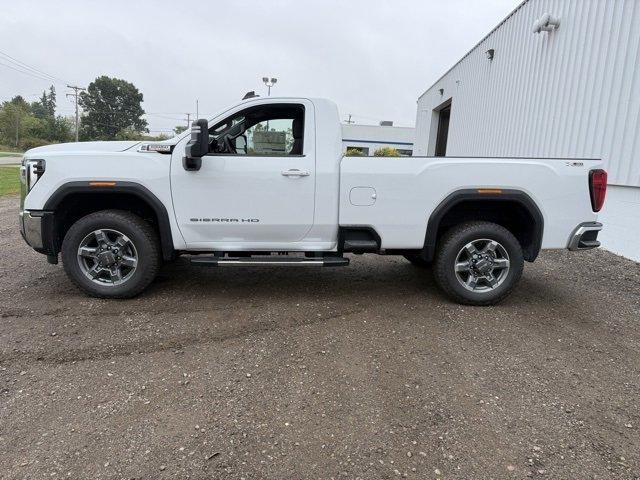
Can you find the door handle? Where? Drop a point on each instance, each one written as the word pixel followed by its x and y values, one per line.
pixel 294 172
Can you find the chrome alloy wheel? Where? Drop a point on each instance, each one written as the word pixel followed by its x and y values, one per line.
pixel 107 257
pixel 482 265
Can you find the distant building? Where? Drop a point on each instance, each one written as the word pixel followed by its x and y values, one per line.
pixel 556 78
pixel 368 138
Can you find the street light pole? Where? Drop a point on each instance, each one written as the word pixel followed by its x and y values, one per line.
pixel 269 82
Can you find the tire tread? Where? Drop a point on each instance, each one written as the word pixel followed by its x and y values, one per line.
pixel 447 243
pixel 135 223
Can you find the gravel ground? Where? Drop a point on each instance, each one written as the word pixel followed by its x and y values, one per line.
pixel 365 372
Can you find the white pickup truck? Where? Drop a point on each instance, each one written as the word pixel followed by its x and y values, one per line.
pixel 264 182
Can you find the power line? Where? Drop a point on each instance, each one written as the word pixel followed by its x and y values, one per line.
pixel 39 77
pixel 163 116
pixel 29 67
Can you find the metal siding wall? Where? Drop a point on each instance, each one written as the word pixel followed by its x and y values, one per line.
pixel 574 92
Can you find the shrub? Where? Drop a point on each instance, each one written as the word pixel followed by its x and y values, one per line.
pixel 386 152
pixel 31 142
pixel 354 152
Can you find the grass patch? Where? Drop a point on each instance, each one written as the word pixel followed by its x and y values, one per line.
pixel 9 181
pixel 6 151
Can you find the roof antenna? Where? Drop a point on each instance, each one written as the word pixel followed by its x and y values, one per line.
pixel 251 94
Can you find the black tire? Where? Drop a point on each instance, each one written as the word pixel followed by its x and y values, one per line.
pixel 417 261
pixel 453 241
pixel 140 234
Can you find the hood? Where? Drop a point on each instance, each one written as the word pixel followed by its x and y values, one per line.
pixel 83 147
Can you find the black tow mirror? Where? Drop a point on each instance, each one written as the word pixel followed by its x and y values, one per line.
pixel 198 145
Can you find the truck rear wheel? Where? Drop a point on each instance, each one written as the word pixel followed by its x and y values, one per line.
pixel 478 263
pixel 111 254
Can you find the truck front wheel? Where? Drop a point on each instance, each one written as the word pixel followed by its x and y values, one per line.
pixel 111 254
pixel 478 263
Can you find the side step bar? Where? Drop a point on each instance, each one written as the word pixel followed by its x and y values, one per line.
pixel 213 261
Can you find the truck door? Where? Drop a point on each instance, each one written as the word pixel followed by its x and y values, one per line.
pixel 256 187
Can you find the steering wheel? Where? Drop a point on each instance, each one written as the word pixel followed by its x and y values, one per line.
pixel 224 145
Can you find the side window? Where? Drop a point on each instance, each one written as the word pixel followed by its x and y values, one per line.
pixel 265 130
pixel 270 137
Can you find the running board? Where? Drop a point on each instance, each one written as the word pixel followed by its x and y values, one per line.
pixel 280 260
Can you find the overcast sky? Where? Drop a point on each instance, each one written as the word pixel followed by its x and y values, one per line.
pixel 372 57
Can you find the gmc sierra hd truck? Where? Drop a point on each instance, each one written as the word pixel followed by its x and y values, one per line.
pixel 265 182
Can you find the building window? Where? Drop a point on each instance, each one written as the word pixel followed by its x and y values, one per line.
pixel 404 153
pixel 357 151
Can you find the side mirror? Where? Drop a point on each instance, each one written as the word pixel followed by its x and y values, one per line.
pixel 198 145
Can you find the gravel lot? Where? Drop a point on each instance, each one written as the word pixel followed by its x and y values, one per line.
pixel 362 372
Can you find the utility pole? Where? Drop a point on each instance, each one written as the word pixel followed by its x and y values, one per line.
pixel 188 120
pixel 197 109
pixel 349 120
pixel 17 127
pixel 76 92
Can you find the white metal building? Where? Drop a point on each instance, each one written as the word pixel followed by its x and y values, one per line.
pixel 570 91
pixel 369 138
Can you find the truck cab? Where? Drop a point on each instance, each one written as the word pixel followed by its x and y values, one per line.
pixel 269 179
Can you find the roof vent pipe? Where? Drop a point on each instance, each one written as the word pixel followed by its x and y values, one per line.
pixel 546 23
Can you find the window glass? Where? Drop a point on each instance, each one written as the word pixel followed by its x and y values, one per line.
pixel 265 130
pixel 271 137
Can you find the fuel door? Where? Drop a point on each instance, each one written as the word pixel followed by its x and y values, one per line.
pixel 363 196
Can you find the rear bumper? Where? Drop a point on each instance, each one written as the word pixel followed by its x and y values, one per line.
pixel 585 236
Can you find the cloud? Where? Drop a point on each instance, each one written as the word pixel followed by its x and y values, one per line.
pixel 374 58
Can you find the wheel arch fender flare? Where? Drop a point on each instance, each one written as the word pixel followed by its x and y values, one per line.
pixel 113 188
pixel 476 195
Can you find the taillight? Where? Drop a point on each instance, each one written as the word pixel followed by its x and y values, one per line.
pixel 597 188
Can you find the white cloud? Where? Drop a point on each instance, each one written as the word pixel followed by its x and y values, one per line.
pixel 374 58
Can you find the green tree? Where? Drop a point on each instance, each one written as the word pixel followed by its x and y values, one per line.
pixel 55 129
pixel 128 134
pixel 386 152
pixel 46 106
pixel 15 121
pixel 24 125
pixel 111 105
pixel 179 129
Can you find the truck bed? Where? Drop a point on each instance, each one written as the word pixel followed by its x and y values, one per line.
pixel 396 196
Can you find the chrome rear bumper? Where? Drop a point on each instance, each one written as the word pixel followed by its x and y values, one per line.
pixel 585 236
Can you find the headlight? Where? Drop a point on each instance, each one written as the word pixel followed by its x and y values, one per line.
pixel 31 171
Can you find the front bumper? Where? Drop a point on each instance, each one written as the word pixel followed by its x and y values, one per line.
pixel 585 236
pixel 37 228
pixel 31 228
